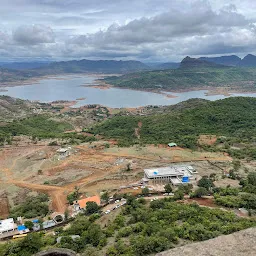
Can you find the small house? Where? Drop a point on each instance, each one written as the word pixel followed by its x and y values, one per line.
pixel 171 145
pixel 81 204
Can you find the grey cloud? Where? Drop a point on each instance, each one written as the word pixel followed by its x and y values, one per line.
pixel 126 29
pixel 35 34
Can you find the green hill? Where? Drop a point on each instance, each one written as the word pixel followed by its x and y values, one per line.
pixel 193 73
pixel 233 118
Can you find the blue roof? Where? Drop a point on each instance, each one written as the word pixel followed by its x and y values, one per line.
pixel 35 221
pixel 22 228
pixel 185 179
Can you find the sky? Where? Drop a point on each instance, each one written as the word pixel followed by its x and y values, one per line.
pixel 145 30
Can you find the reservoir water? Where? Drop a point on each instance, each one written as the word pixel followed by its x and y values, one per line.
pixel 70 88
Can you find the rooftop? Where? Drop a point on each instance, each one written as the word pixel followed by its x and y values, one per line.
pixel 7 224
pixel 82 203
pixel 62 150
pixel 177 170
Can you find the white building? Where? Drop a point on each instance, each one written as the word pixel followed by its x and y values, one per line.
pixel 7 225
pixel 63 153
pixel 175 174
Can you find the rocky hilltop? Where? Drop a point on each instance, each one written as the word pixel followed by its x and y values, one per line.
pixel 189 62
pixel 237 244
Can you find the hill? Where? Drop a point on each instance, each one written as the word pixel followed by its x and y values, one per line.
pixel 12 108
pixel 237 244
pixel 8 76
pixel 99 66
pixel 248 61
pixel 24 72
pixel 184 125
pixel 24 65
pixel 188 63
pixel 231 60
pixel 167 65
pixel 193 73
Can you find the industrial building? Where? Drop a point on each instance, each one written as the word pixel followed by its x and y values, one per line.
pixel 7 225
pixel 175 174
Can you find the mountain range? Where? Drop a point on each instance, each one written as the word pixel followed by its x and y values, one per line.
pixel 113 66
pixel 233 60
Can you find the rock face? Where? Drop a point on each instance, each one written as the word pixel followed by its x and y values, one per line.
pixel 56 252
pixel 237 244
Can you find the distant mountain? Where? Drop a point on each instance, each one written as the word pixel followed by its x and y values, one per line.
pixel 188 63
pixel 168 65
pixel 99 66
pixel 231 60
pixel 248 61
pixel 192 73
pixel 24 65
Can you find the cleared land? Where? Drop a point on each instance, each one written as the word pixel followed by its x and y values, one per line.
pixel 91 167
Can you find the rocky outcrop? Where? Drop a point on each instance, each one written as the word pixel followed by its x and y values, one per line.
pixel 57 252
pixel 237 244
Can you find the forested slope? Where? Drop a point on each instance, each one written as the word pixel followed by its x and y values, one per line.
pixel 193 73
pixel 231 117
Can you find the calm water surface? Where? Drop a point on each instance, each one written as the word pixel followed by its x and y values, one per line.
pixel 69 88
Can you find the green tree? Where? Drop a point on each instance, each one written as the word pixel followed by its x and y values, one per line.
pixel 168 188
pixel 178 194
pixel 91 207
pixel 199 192
pixel 205 182
pixel 29 224
pixel 145 191
pixel 105 196
pixel 252 178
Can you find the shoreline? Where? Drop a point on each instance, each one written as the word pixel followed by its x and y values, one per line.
pixel 100 84
pixel 211 90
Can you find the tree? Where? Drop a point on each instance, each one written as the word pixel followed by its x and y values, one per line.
pixel 66 214
pixel 186 188
pixel 168 188
pixel 252 178
pixel 40 172
pixel 105 196
pixel 91 207
pixel 73 196
pixel 205 182
pixel 178 194
pixel 199 192
pixel 30 244
pixel 145 191
pixel 29 224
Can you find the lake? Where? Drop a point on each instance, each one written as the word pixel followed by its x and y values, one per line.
pixel 70 88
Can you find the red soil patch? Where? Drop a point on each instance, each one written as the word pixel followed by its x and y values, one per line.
pixel 209 202
pixel 207 139
pixel 4 207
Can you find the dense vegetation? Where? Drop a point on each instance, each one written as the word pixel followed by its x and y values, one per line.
pixel 224 118
pixel 34 206
pixel 140 229
pixel 185 78
pixel 238 198
pixel 41 127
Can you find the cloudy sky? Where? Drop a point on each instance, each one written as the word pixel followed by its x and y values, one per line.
pixel 146 30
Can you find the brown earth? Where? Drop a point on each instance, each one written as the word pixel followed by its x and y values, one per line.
pixel 4 206
pixel 99 168
pixel 207 139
